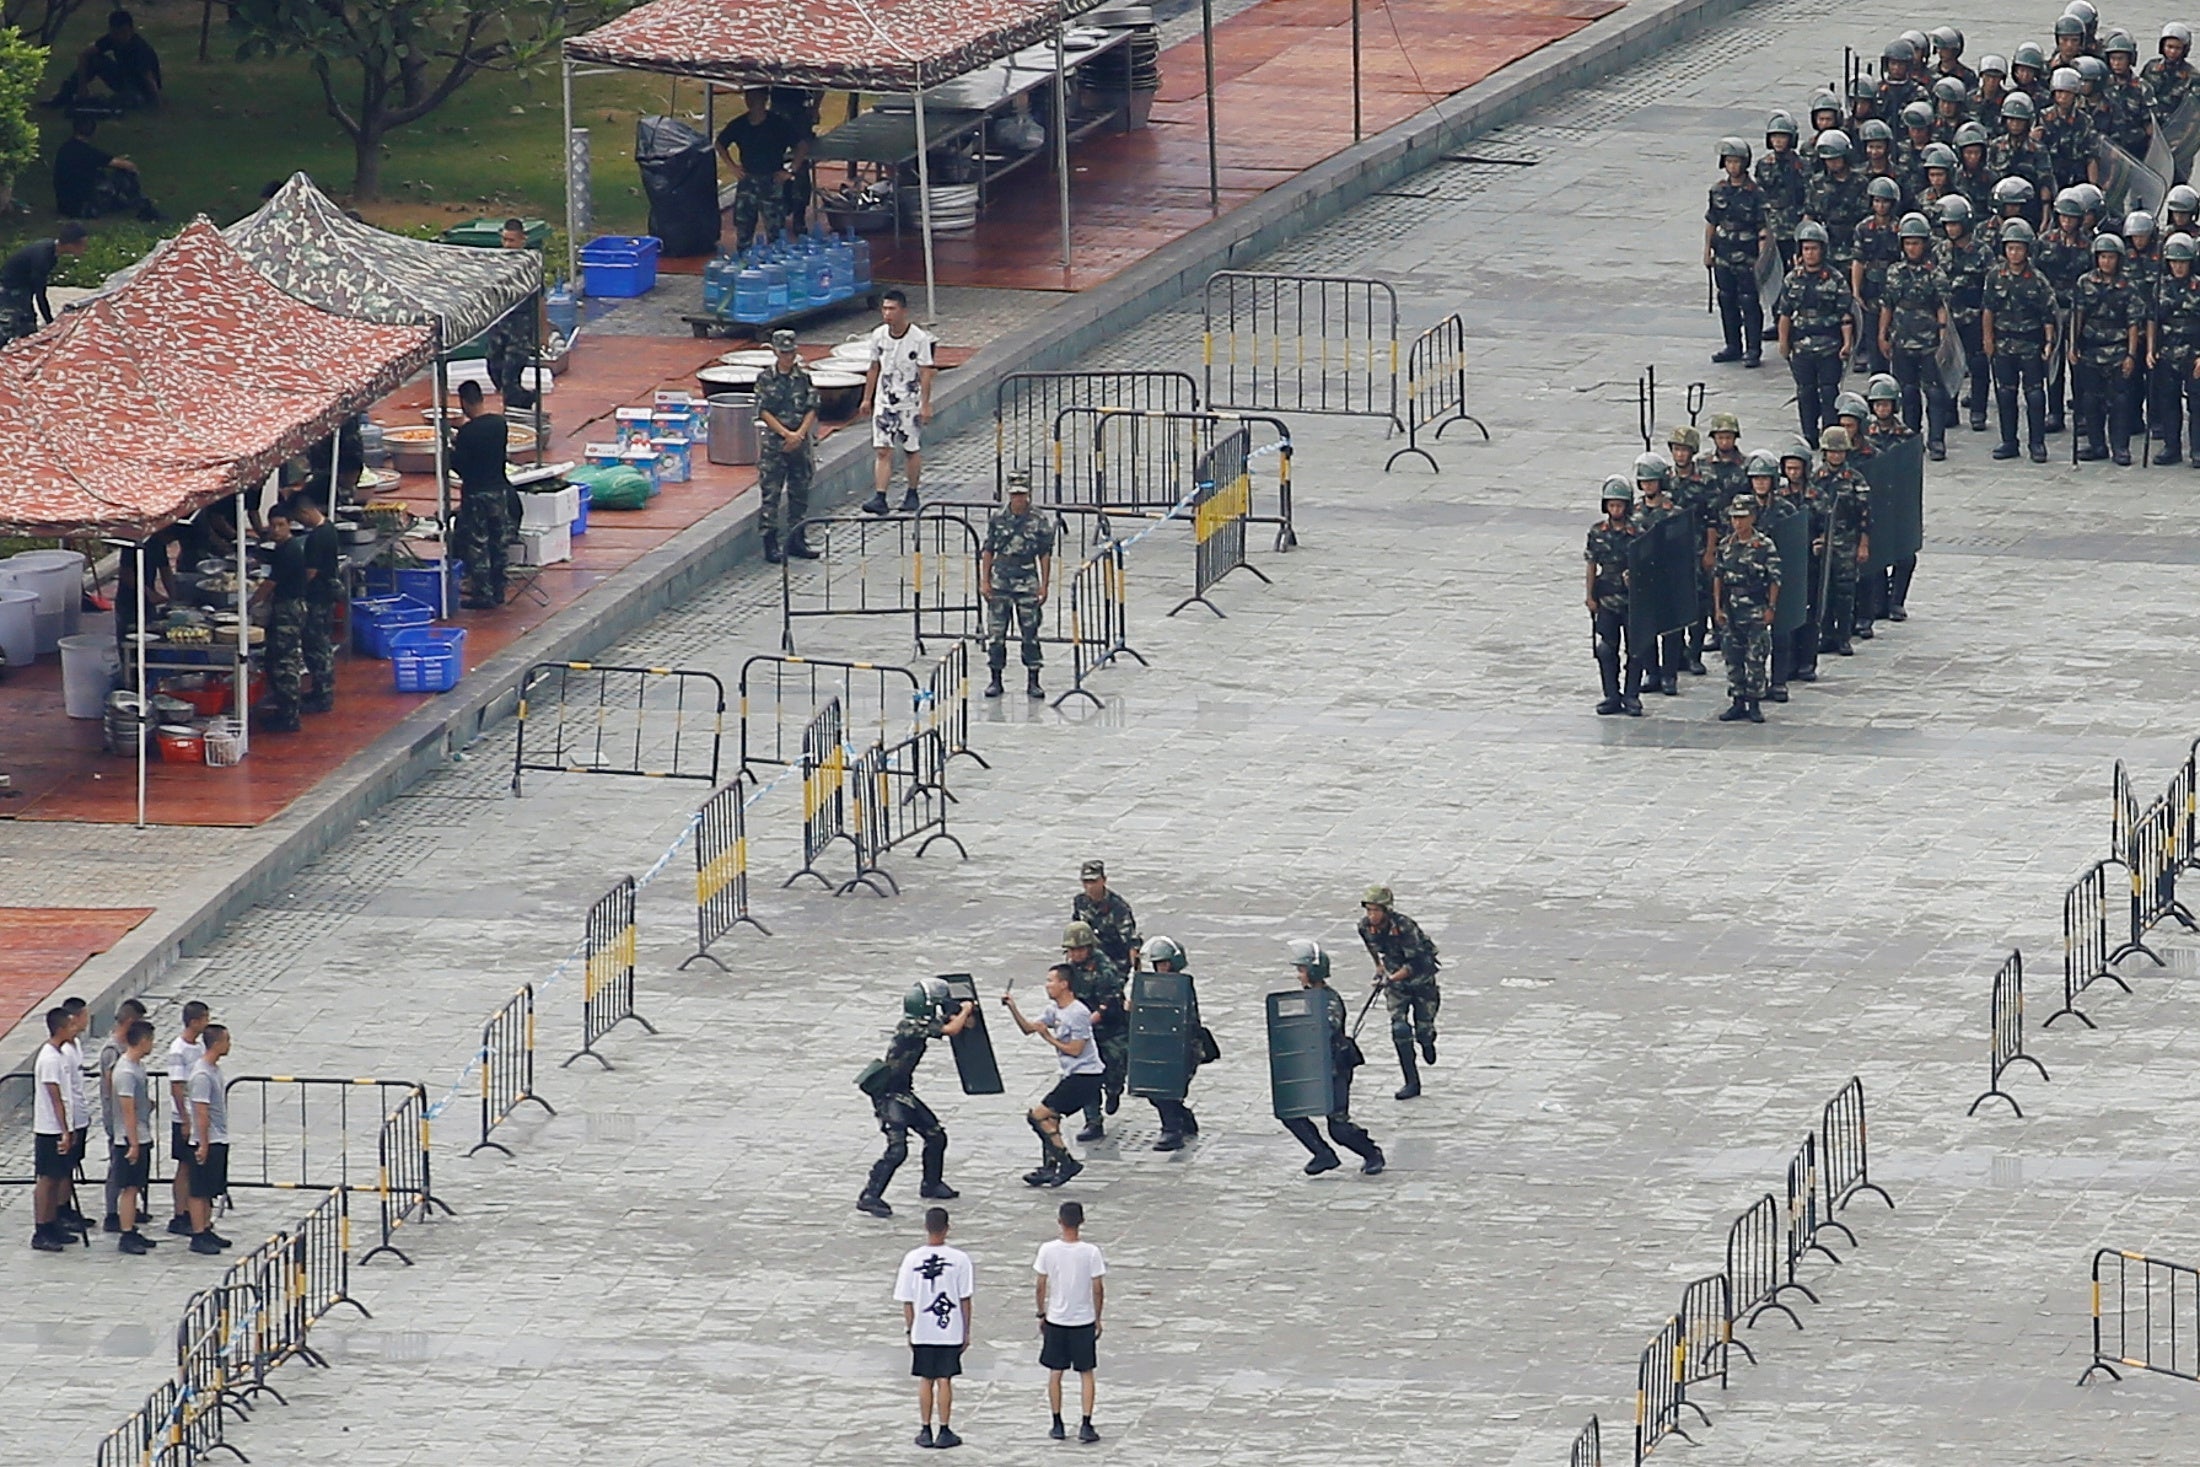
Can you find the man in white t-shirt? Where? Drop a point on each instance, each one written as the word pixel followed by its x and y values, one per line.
pixel 1066 1026
pixel 934 1287
pixel 184 1053
pixel 1071 1298
pixel 897 393
pixel 55 1140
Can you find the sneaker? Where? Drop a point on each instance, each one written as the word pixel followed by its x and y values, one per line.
pixel 924 1435
pixel 111 1223
pixel 1056 1431
pixel 44 1240
pixel 1320 1164
pixel 946 1437
pixel 180 1226
pixel 875 1206
pixel 1042 1177
pixel 219 1240
pixel 876 504
pixel 1093 1132
pixel 1373 1166
pixel 938 1192
pixel 910 504
pixel 1064 1170
pixel 1085 1433
pixel 136 1243
pixel 204 1243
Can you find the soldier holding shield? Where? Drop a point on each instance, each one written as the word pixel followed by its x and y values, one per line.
pixel 891 1083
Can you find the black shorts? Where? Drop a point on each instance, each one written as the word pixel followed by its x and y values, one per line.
pixel 177 1145
pixel 935 1362
pixel 126 1174
pixel 1069 1346
pixel 210 1178
pixel 1072 1094
pixel 51 1160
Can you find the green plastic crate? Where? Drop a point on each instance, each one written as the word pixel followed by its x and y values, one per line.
pixel 488 234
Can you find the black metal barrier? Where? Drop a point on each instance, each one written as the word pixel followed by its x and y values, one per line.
pixel 1759 1269
pixel 778 697
pixel 508 1067
pixel 311 1129
pixel 2187 784
pixel 1099 620
pixel 607 984
pixel 824 792
pixel 1436 388
pixel 650 722
pixel 153 1434
pixel 946 699
pixel 2150 855
pixel 867 824
pixel 1661 1390
pixel 1148 463
pixel 914 794
pixel 1225 479
pixel 1845 1155
pixel 2159 1331
pixel 2085 943
pixel 2005 1026
pixel 1802 1221
pixel 1588 1447
pixel 1026 405
pixel 922 567
pixel 403 1188
pixel 1302 343
pixel 1707 1331
pixel 721 871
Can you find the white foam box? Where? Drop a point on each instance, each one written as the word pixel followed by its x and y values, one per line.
pixel 549 509
pixel 546 546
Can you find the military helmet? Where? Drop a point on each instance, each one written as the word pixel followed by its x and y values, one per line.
pixel 1972 135
pixel 2070 203
pixel 1913 226
pixel 2091 195
pixel 1163 950
pixel 2119 41
pixel 1862 89
pixel 1076 934
pixel 2137 223
pixel 1379 896
pixel 1834 440
pixel 2105 243
pixel 1993 66
pixel 1724 423
pixel 1882 388
pixel 2018 104
pixel 2083 12
pixel 1951 89
pixel 2092 70
pixel 1883 187
pixel 1648 467
pixel 2068 25
pixel 1876 131
pixel 1684 436
pixel 1917 114
pixel 1939 155
pixel 1796 452
pixel 2183 198
pixel 2013 190
pixel 1733 148
pixel 1616 487
pixel 1850 405
pixel 1810 231
pixel 2028 53
pixel 1834 143
pixel 917 1002
pixel 1917 41
pixel 1947 38
pixel 1899 49
pixel 2066 79
pixel 1763 465
pixel 1741 505
pixel 2176 30
pixel 1780 122
pixel 2179 246
pixel 1307 954
pixel 2016 231
pixel 1825 100
pixel 1955 209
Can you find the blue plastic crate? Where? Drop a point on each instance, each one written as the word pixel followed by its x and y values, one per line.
pixel 375 618
pixel 417 581
pixel 427 659
pixel 620 265
pixel 580 521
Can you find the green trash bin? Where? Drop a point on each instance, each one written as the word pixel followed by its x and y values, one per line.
pixel 488 234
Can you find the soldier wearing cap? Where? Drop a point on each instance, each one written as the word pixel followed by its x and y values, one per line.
pixel 1746 597
pixel 1114 926
pixel 1405 972
pixel 1099 986
pixel 786 422
pixel 1014 565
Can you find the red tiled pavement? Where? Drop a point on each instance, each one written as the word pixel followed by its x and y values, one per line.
pixel 41 946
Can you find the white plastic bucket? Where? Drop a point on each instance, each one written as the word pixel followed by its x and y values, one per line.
pixel 58 578
pixel 88 667
pixel 18 625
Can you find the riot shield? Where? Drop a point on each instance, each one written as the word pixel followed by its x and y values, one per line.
pixel 2127 183
pixel 973 1047
pixel 2181 131
pixel 1661 578
pixel 1897 476
pixel 1789 530
pixel 2058 360
pixel 1164 1035
pixel 1770 280
pixel 2161 158
pixel 1949 361
pixel 1302 1080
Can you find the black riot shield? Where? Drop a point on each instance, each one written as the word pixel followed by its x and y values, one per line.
pixel 1301 1079
pixel 1770 280
pixel 1897 476
pixel 1661 578
pixel 1164 1035
pixel 973 1047
pixel 2127 183
pixel 1789 530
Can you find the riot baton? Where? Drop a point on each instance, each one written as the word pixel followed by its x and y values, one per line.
pixel 1710 292
pixel 1356 1023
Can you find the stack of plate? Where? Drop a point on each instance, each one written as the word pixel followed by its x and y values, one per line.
pixel 954 207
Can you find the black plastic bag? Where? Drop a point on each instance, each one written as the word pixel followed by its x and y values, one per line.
pixel 680 177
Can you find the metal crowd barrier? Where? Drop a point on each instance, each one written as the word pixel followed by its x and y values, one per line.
pixel 2150 854
pixel 1099 620
pixel 1436 388
pixel 2085 943
pixel 1845 1154
pixel 1026 404
pixel 2157 1332
pixel 2187 783
pixel 1707 1331
pixel 321 1258
pixel 263 1326
pixel 2005 1023
pixel 1802 1219
pixel 310 1128
pixel 151 1435
pixel 1759 1269
pixel 868 801
pixel 1661 1390
pixel 1146 463
pixel 874 697
pixel 946 699
pixel 721 871
pixel 1588 1447
pixel 2123 811
pixel 651 722
pixel 922 567
pixel 916 797
pixel 1225 480
pixel 607 989
pixel 508 1067
pixel 402 1187
pixel 1302 343
pixel 824 763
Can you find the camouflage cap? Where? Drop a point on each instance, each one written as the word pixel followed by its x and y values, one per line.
pixel 1834 440
pixel 1093 871
pixel 1684 436
pixel 1076 934
pixel 1376 896
pixel 783 341
pixel 1742 505
pixel 1019 481
pixel 1725 423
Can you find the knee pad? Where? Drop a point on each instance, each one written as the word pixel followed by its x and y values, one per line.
pixel 1038 1127
pixel 897 1148
pixel 1401 1029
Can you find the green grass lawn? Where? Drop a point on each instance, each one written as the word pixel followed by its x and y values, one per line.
pixel 227 127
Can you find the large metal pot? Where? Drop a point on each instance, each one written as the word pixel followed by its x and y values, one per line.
pixel 733 428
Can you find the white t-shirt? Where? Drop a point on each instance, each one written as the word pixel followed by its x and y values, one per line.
pixel 183 1057
pixel 936 1280
pixel 1070 1269
pixel 52 1069
pixel 1070 1024
pixel 73 1092
pixel 900 360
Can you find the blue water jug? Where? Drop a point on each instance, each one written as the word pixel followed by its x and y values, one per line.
pixel 775 289
pixel 751 295
pixel 824 279
pixel 563 309
pixel 861 249
pixel 798 280
pixel 844 266
pixel 714 285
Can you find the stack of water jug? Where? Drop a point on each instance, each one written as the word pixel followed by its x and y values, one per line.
pixel 775 278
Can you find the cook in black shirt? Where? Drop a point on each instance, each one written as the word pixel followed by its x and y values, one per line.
pixel 485 511
pixel 23 280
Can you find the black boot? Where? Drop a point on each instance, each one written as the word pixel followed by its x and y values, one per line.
pixel 1410 1069
pixel 1734 712
pixel 873 1204
pixel 1756 714
pixel 771 548
pixel 993 688
pixel 1031 684
pixel 798 546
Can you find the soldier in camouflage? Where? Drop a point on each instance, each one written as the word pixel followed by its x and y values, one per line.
pixel 2066 133
pixel 1877 247
pixel 1846 498
pixel 2017 153
pixel 1913 314
pixel 1102 987
pixel 2062 255
pixel 1947 44
pixel 786 420
pixel 1727 468
pixel 891 1083
pixel 1817 327
pixel 2017 326
pixel 1992 89
pixel 2173 350
pixel 1763 484
pixel 1692 492
pixel 1014 565
pixel 1836 199
pixel 1880 160
pixel 1963 265
pixel 2169 75
pixel 1736 227
pixel 1605 590
pixel 1653 488
pixel 2130 101
pixel 1114 925
pixel 1782 179
pixel 2107 319
pixel 2027 75
pixel 1889 591
pixel 2181 210
pixel 1936 179
pixel 1898 88
pixel 1909 150
pixel 1405 973
pixel 1972 178
pixel 1951 109
pixel 1747 591
pixel 1344 1057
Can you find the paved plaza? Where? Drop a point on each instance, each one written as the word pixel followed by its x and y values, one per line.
pixel 1666 941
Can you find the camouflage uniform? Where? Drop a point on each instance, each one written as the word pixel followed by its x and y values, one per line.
pixel 1977 187
pixel 899 1111
pixel 1738 216
pixel 1017 544
pixel 1840 204
pixel 1114 926
pixel 1344 1058
pixel 758 203
pixel 790 397
pixel 482 535
pixel 1099 986
pixel 2063 255
pixel 2008 158
pixel 1889 588
pixel 2176 393
pixel 1749 573
pixel 1413 1000
pixel 2068 142
pixel 1963 266
pixel 2105 308
pixel 1782 180
pixel 1846 502
pixel 1876 249
pixel 286 658
pixel 1914 296
pixel 1607 551
pixel 1693 494
pixel 1815 302
pixel 2129 103
pixel 2022 304
pixel 2168 89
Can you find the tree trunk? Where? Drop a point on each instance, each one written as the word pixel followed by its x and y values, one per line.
pixel 366 167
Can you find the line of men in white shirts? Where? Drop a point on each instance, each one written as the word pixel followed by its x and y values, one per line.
pixel 61 1121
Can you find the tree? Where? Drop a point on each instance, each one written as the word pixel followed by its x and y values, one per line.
pixel 383 64
pixel 22 69
pixel 41 20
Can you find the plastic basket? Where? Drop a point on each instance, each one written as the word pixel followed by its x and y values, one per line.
pixel 427 659
pixel 620 265
pixel 373 619
pixel 224 743
pixel 418 582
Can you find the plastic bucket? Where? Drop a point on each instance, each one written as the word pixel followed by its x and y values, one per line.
pixel 179 744
pixel 18 626
pixel 88 667
pixel 58 578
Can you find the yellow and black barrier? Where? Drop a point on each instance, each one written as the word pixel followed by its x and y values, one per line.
pixel 2086 958
pixel 646 722
pixel 869 805
pixel 2005 1028
pixel 1588 1446
pixel 1146 464
pixel 778 697
pixel 2150 857
pixel 920 567
pixel 1219 510
pixel 313 1131
pixel 2151 1320
pixel 1844 1154
pixel 1759 1267
pixel 1099 620
pixel 1707 1331
pixel 150 1436
pixel 404 1190
pixel 508 1066
pixel 1436 389
pixel 607 971
pixel 1301 344
pixel 1026 405
pixel 947 702
pixel 721 872
pixel 824 765
pixel 1661 1391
